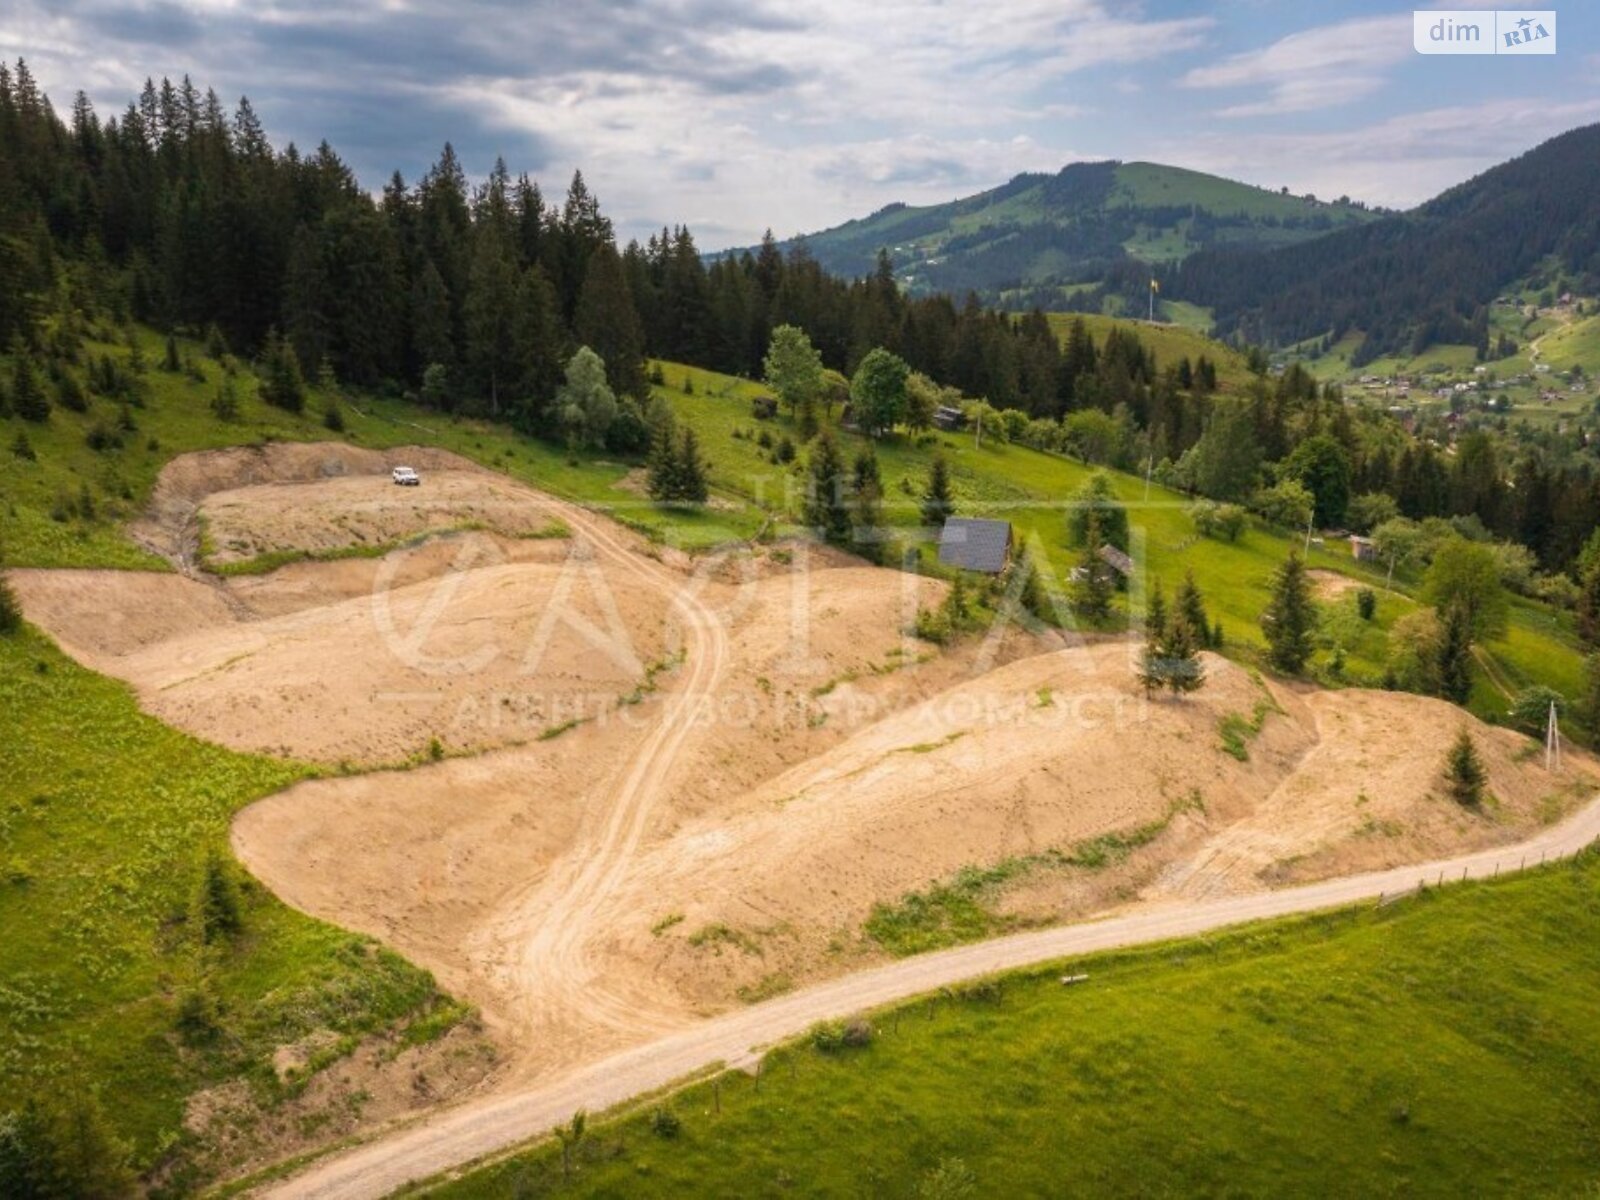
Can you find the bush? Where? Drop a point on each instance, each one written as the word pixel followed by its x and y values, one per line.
pixel 1225 522
pixel 1367 603
pixel 857 1033
pixel 1531 709
pixel 1287 505
pixel 664 1123
pixel 101 437
pixel 764 408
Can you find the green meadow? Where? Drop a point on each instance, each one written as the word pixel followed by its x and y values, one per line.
pixel 1032 489
pixel 107 980
pixel 1441 1046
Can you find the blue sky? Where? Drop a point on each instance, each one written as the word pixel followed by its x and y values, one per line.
pixel 735 115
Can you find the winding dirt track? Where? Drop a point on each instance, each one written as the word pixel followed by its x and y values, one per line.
pixel 460 1135
pixel 548 969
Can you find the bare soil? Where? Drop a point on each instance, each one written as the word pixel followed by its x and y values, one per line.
pixel 693 780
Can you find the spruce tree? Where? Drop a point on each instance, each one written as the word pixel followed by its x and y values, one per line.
pixel 1290 620
pixel 661 468
pixel 1455 654
pixel 607 322
pixel 282 384
pixel 1095 586
pixel 866 503
pixel 1152 669
pixel 10 609
pixel 1191 606
pixel 937 505
pixel 692 483
pixel 1181 657
pixel 217 906
pixel 1464 771
pixel 28 399
pixel 1588 606
pixel 827 508
pixel 171 361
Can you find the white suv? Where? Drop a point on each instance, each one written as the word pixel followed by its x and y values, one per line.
pixel 405 477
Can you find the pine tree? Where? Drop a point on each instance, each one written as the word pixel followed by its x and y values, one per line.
pixel 1095 586
pixel 692 483
pixel 1030 588
pixel 607 321
pixel 282 384
pixel 225 404
pixel 1290 620
pixel 827 508
pixel 1181 657
pixel 61 1144
pixel 1464 771
pixel 866 503
pixel 1155 614
pixel 10 609
pixel 1191 606
pixel 937 505
pixel 28 399
pixel 661 467
pixel 1455 654
pixel 217 906
pixel 1588 606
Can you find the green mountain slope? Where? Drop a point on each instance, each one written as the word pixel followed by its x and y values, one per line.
pixel 1056 229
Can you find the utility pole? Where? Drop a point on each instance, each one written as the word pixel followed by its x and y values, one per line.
pixel 1552 741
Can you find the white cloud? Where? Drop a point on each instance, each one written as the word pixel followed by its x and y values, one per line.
pixel 1399 161
pixel 1313 68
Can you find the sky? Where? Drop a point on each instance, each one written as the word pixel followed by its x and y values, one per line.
pixel 733 116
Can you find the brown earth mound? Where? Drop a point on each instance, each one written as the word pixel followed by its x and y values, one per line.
pixel 716 812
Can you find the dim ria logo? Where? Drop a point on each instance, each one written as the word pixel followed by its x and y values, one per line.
pixel 1481 31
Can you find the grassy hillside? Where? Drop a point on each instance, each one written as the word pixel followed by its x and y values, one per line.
pixel 106 819
pixel 45 526
pixel 1043 228
pixel 1442 1046
pixel 1031 489
pixel 1169 343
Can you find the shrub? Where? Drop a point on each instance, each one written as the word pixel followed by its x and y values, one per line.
pixel 664 1123
pixel 785 451
pixel 101 437
pixel 857 1033
pixel 1225 522
pixel 23 448
pixel 1464 773
pixel 1367 603
pixel 1531 709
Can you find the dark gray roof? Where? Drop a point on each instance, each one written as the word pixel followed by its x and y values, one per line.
pixel 975 545
pixel 1116 559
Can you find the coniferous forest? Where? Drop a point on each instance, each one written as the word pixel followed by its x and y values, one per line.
pixel 180 213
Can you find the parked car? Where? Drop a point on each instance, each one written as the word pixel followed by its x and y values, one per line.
pixel 406 477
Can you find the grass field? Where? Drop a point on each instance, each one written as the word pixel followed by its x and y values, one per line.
pixel 106 818
pixel 176 418
pixel 1169 342
pixel 1030 488
pixel 1443 1046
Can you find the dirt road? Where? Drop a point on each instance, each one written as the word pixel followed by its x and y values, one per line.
pixel 483 1127
pixel 538 942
